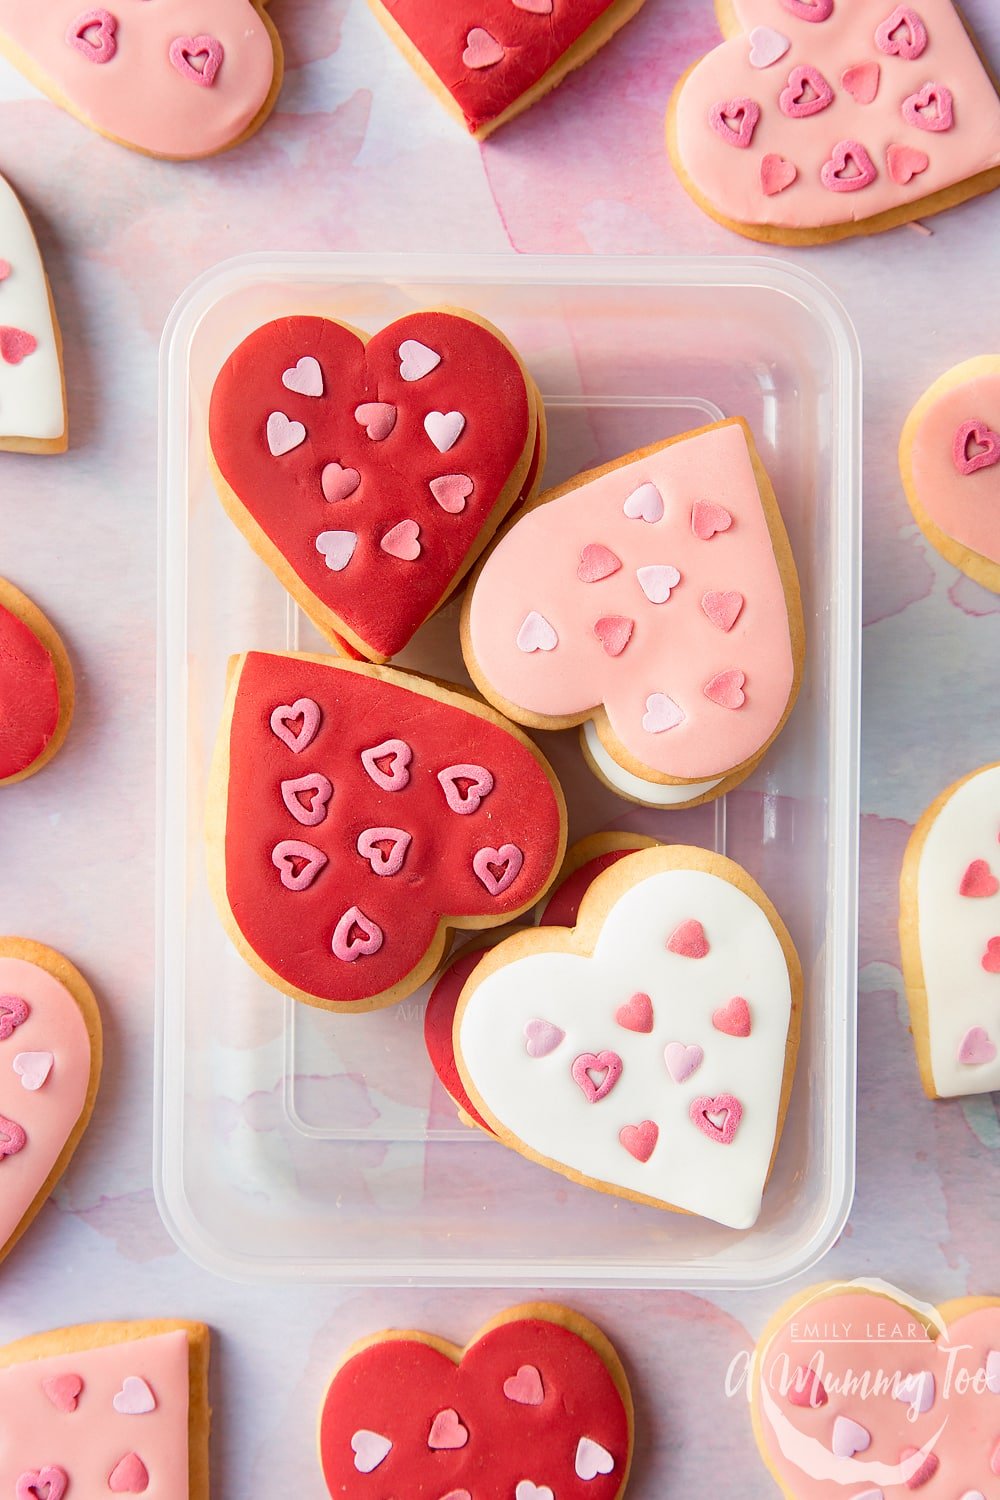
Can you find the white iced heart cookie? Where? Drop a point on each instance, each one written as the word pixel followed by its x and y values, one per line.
pixel 673 945
pixel 949 927
pixel 32 401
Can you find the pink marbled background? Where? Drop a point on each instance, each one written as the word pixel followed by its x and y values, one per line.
pixel 358 157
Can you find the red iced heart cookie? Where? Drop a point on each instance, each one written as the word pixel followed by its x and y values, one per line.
pixel 64 1433
pixel 909 1395
pixel 372 492
pixel 489 59
pixel 50 1066
pixel 36 687
pixel 906 118
pixel 949 458
pixel 147 78
pixel 441 816
pixel 32 400
pixel 539 1400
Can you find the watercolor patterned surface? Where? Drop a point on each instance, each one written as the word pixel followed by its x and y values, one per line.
pixel 357 156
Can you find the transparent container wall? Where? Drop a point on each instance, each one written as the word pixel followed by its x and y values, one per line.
pixel 295 1143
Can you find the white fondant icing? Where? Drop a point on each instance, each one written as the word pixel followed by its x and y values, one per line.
pixel 31 392
pixel 649 792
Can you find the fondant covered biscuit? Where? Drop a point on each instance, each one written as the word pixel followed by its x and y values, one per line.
pixel 180 80
pixel 356 814
pixel 32 394
pixel 949 458
pixel 819 119
pixel 654 602
pixel 370 473
pixel 36 687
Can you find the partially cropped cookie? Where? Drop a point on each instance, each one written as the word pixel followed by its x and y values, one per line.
pixel 949 927
pixel 819 119
pixel 32 393
pixel 36 687
pixel 655 603
pixel 949 458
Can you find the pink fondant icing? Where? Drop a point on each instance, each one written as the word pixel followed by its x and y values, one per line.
pixel 845 50
pixel 142 94
pixel 658 683
pixel 47 1115
pixel 965 506
pixel 88 1441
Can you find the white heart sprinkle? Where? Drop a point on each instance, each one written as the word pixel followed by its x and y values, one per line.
pixel 416 360
pixel 33 1068
pixel 657 580
pixel 135 1399
pixel 644 504
pixel 305 377
pixel 369 1449
pixel 337 548
pixel 526 1490
pixel 444 428
pixel 592 1459
pixel 536 634
pixel 283 435
pixel 767 46
pixel 662 713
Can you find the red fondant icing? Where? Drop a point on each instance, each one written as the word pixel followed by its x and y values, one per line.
pixel 563 906
pixel 29 696
pixel 292 931
pixel 439 1019
pixel 381 597
pixel 397 1386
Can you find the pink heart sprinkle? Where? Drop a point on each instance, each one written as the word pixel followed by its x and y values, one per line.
pixel 733 1018
pixel 93 35
pixel 862 81
pixel 536 634
pixel 129 1476
pixel 707 519
pixel 807 93
pixel 481 49
pixel 402 541
pixel 978 880
pixel 991 958
pixel 12 1137
pixel 639 1141
pixel 525 1388
pixel 718 1118
pixel 924 1471
pixel 807 1390
pixel 541 1038
pixel 614 633
pixel 849 169
pixel 394 776
pixel 338 483
pixel 33 1069
pixel 466 799
pixel 976 447
pixel 197 58
pixel 378 418
pixel 644 504
pixel 735 121
pixel 776 174
pixel 497 869
pixel 384 861
pixel 13 1013
pixel 636 1014
pixel 767 46
pixel 337 548
pixel 723 610
pixel 902 34
pixel 682 1059
pixel 298 863
pixel 356 936
pixel 688 939
pixel 809 10
pixel 305 714
pixel 307 797
pixel 305 377
pixel 905 162
pixel 931 108
pixel 416 360
pixel 662 713
pixel 4 269
pixel 451 492
pixel 657 580
pixel 607 1065
pixel 447 1431
pixel 726 689
pixel 597 562
pixel 63 1391
pixel 49 1483
pixel 16 345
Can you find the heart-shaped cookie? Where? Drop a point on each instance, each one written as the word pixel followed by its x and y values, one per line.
pixel 900 120
pixel 602 1106
pixel 949 458
pixel 36 687
pixel 434 415
pixel 64 1434
pixel 32 396
pixel 50 1067
pixel 353 911
pixel 858 1391
pixel 536 1405
pixel 180 81
pixel 691 689
pixel 487 60
pixel 949 918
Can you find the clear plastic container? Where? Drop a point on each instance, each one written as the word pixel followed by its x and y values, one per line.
pixel 294 1144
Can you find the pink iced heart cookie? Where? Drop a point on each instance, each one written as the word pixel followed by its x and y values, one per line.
pixel 624 1104
pixel 50 1064
pixel 949 928
pixel 927 1426
pixel 907 118
pixel 635 604
pixel 949 457
pixel 132 73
